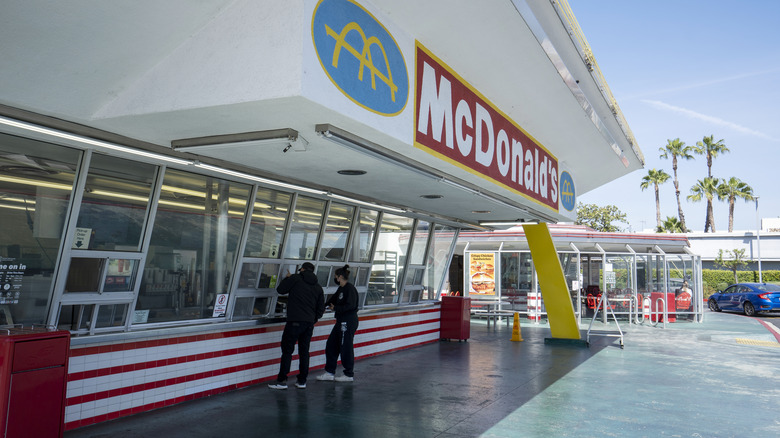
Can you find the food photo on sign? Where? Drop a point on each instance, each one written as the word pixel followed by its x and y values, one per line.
pixel 482 279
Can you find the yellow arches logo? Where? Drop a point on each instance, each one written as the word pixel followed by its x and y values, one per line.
pixel 373 49
pixel 364 57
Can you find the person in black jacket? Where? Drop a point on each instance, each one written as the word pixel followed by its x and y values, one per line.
pixel 340 342
pixel 305 306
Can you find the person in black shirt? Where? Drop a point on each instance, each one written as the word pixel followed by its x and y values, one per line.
pixel 340 342
pixel 305 306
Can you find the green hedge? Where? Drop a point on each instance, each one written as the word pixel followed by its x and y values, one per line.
pixel 718 279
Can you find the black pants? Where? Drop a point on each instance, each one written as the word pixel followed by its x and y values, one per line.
pixel 300 332
pixel 340 342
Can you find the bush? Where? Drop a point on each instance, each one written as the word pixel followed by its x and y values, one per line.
pixel 718 279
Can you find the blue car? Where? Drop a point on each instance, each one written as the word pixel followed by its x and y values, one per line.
pixel 749 298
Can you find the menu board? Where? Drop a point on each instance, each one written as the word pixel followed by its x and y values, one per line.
pixel 481 271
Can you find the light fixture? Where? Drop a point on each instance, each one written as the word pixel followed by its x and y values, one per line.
pixel 92 142
pixel 432 196
pixel 374 150
pixel 509 223
pixel 367 204
pixel 37 183
pixel 259 179
pixel 481 211
pixel 286 137
pixel 351 172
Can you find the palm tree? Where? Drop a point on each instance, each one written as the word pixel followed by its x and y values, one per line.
pixel 710 148
pixel 670 225
pixel 677 148
pixel 706 188
pixel 731 190
pixel 656 178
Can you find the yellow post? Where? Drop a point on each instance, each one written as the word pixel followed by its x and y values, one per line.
pixel 516 335
pixel 555 292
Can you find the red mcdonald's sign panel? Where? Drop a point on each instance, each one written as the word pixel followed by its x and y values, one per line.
pixel 456 123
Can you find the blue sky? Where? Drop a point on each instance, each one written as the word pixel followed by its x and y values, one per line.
pixel 688 69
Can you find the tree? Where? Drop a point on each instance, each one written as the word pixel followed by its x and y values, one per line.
pixel 706 188
pixel 676 148
pixel 731 190
pixel 710 148
pixel 735 263
pixel 656 178
pixel 600 218
pixel 670 225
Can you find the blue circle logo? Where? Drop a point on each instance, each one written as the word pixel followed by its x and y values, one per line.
pixel 567 195
pixel 360 56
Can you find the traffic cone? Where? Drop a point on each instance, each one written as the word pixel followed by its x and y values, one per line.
pixel 516 335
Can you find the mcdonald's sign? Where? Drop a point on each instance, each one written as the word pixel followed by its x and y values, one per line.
pixel 360 56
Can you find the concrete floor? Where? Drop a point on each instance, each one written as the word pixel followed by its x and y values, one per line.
pixel 720 378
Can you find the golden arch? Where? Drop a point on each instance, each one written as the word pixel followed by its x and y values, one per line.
pixel 364 57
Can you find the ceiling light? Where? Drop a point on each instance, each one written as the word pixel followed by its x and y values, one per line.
pixel 351 172
pixel 383 154
pixel 432 196
pixel 259 179
pixel 287 138
pixel 481 211
pixel 91 142
pixel 368 204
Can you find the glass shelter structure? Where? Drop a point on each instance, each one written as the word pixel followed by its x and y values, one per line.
pixel 639 273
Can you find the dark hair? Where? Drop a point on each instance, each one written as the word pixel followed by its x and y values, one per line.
pixel 343 271
pixel 307 266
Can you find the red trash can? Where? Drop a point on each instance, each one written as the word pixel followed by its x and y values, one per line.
pixel 656 311
pixel 455 318
pixel 33 373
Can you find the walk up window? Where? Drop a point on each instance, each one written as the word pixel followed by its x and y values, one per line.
pixel 103 264
pixel 94 242
pixel 36 187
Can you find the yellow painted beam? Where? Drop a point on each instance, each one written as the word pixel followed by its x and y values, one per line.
pixel 552 282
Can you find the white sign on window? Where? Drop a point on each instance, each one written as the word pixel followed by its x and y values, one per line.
pixel 81 239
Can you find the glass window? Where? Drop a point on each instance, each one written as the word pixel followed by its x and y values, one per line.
pixel 441 245
pixel 268 276
pixel 248 307
pixel 36 182
pixel 420 243
pixel 362 277
pixel 364 236
pixel 334 240
pixel 305 228
pixel 193 246
pixel 250 274
pixel 76 317
pixel 85 275
pixel 111 315
pixel 323 276
pixel 389 259
pixel 114 204
pixel 268 220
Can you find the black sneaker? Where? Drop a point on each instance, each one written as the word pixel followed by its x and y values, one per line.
pixel 300 385
pixel 278 385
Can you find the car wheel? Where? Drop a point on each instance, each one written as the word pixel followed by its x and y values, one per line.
pixel 749 309
pixel 714 306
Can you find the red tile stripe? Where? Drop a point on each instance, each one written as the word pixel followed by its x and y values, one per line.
pixel 169 402
pixel 217 372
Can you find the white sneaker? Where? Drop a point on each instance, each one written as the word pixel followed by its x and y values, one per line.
pixel 343 378
pixel 326 376
pixel 278 385
pixel 300 385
